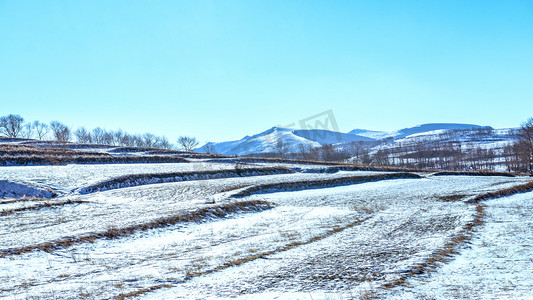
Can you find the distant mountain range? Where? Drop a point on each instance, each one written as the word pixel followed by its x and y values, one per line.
pixel 405 132
pixel 265 142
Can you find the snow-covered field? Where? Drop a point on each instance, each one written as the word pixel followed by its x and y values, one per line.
pixel 330 242
pixel 498 264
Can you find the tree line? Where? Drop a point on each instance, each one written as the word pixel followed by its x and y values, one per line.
pixel 13 126
pixel 519 155
pixel 442 152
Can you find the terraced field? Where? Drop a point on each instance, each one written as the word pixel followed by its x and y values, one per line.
pixel 208 229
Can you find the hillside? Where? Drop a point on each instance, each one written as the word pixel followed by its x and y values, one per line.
pixel 424 128
pixel 266 142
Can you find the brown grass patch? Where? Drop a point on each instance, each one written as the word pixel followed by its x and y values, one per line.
pixel 53 154
pixel 475 173
pixel 6 212
pixel 450 198
pixel 299 185
pixel 22 199
pixel 504 193
pixel 143 179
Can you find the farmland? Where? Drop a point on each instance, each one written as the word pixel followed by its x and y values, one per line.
pixel 219 228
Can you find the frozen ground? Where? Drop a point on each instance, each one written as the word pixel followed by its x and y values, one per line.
pixel 498 264
pixel 322 243
pixel 67 179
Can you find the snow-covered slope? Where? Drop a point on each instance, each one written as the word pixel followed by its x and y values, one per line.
pixel 329 137
pixel 398 134
pixel 265 142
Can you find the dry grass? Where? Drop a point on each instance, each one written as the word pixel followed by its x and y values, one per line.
pixel 475 173
pixel 22 199
pixel 503 193
pixel 299 185
pixel 197 215
pixel 251 257
pixel 443 254
pixel 142 179
pixel 341 165
pixel 55 155
pixel 6 212
pixel 451 248
pixel 142 291
pixel 450 198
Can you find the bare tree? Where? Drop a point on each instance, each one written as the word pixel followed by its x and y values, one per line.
pixel 27 131
pixel 187 143
pixel 163 143
pixel 525 144
pixel 83 135
pixel 303 151
pixel 209 148
pixel 118 137
pixel 137 141
pixel 60 131
pixel 381 157
pixel 108 138
pixel 281 148
pixel 98 136
pixel 149 140
pixel 41 129
pixel 127 140
pixel 11 125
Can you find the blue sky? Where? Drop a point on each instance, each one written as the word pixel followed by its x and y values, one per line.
pixel 219 70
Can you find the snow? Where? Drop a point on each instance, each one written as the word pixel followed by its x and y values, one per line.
pixel 419 130
pixel 17 190
pixel 68 178
pixel 498 263
pixel 398 235
pixel 128 206
pixel 321 243
pixel 265 142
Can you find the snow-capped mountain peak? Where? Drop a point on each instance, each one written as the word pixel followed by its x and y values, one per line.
pixel 419 129
pixel 292 139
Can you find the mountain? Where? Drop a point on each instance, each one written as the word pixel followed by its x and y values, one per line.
pixel 265 142
pixel 420 129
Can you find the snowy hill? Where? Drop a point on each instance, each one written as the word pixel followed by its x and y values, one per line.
pixel 265 142
pixel 473 148
pixel 405 132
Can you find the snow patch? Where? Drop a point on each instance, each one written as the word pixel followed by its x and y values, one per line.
pixel 10 189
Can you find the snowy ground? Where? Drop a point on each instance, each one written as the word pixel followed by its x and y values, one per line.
pixel 342 241
pixel 67 178
pixel 498 264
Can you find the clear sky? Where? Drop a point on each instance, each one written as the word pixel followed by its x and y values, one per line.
pixel 219 70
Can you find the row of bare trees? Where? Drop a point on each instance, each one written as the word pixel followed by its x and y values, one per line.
pixel 102 136
pixel 13 126
pixel 443 152
pixel 519 155
pixel 445 155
